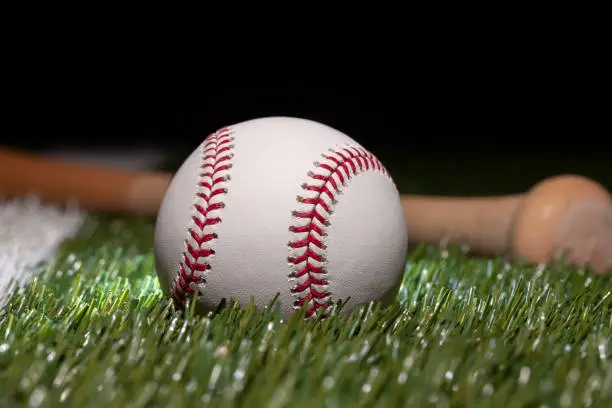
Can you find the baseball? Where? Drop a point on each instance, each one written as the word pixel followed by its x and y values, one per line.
pixel 281 206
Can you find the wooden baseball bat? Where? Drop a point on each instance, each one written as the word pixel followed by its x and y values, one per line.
pixel 93 187
pixel 564 215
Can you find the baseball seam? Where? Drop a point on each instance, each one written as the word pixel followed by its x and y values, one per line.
pixel 307 260
pixel 206 210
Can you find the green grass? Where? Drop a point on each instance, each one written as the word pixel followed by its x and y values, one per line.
pixel 94 331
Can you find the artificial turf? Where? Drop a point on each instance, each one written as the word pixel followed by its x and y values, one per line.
pixel 93 330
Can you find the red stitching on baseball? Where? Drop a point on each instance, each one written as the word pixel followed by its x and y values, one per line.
pixel 308 268
pixel 194 265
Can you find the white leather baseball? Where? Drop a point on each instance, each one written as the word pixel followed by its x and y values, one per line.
pixel 281 205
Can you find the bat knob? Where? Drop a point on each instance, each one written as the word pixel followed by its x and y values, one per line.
pixel 565 216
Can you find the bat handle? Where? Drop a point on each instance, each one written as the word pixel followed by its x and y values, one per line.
pixel 484 224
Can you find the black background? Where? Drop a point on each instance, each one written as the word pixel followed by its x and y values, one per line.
pixel 461 135
pixel 505 118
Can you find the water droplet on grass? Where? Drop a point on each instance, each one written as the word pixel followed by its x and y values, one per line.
pixel 328 383
pixel 524 375
pixel 37 397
